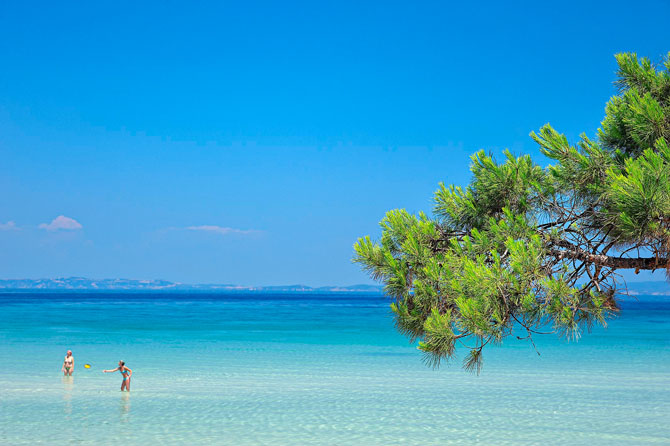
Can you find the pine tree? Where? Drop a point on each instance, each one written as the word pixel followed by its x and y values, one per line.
pixel 524 247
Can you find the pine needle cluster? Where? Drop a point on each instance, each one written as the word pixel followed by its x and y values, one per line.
pixel 524 249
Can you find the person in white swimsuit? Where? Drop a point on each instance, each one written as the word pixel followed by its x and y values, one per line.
pixel 68 364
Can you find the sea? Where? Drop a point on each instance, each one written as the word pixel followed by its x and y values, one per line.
pixel 314 369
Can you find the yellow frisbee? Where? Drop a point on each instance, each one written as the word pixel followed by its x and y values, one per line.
pixel 87 366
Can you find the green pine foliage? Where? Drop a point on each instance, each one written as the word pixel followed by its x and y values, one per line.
pixel 524 248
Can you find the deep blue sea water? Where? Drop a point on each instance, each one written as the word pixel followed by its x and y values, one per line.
pixel 308 369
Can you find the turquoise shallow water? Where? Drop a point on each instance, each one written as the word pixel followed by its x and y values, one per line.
pixel 315 370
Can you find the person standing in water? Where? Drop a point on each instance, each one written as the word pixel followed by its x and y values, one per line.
pixel 126 372
pixel 68 364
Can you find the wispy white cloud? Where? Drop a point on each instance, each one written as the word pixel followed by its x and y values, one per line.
pixel 9 226
pixel 222 230
pixel 62 223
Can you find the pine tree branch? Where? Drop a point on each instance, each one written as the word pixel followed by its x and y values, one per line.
pixel 636 263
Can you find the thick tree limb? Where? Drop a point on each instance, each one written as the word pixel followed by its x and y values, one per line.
pixel 636 263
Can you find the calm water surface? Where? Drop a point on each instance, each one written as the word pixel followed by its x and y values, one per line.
pixel 312 369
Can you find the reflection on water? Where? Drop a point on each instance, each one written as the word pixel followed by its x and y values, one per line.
pixel 68 386
pixel 124 407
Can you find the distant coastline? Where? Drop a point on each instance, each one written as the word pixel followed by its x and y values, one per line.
pixel 82 283
pixel 650 288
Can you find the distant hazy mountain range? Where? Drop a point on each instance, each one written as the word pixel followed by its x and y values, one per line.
pixel 82 283
pixel 653 288
pixel 656 288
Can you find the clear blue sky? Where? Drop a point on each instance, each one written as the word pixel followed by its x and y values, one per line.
pixel 277 132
